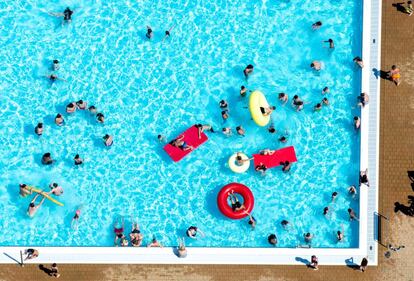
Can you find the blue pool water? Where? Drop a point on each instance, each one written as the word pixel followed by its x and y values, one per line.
pixel 146 88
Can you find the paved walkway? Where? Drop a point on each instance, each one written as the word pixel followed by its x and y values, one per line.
pixel 396 158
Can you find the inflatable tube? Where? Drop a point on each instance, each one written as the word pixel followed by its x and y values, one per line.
pixel 31 188
pixel 257 100
pixel 239 190
pixel 236 168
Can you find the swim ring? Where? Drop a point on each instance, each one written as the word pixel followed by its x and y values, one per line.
pixel 257 100
pixel 236 168
pixel 239 190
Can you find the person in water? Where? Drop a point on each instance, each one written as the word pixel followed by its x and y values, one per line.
pixel 55 189
pixel 71 108
pixel 59 120
pixel 243 91
pixel 181 144
pixel 136 235
pixel 266 111
pixel 286 166
pixel 363 99
pixel 149 32
pixel 154 243
pixel 75 220
pixel 252 221
pixel 202 128
pixel 283 98
pixel 118 227
pixel 261 168
pixel 339 236
pixel 67 15
pixel 325 101
pixel 316 65
pixel 192 232
pixel 248 70
pixel 53 77
pixel 352 215
pixel 357 122
pixel 33 208
pixel 316 25
pixel 272 239
pixel 308 237
pixel 326 211
pixel 352 191
pixel 39 129
pixel 236 206
pixel 317 107
pixel 358 61
pixel 333 196
pixel 100 118
pixel 108 140
pixel 223 104
pixel 266 152
pixel 285 224
pixel 227 131
pixel 161 139
pixel 225 115
pixel 47 159
pixel 240 131
pixel 24 190
pixel 92 109
pixel 283 139
pixel 55 65
pixel 239 159
pixel 77 160
pixel 331 43
pixel 81 104
pixel 271 129
pixel 325 90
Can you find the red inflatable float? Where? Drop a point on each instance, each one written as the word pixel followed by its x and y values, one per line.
pixel 239 190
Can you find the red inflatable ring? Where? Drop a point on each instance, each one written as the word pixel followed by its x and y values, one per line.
pixel 242 191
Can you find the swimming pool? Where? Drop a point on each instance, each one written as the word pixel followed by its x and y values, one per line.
pixel 146 88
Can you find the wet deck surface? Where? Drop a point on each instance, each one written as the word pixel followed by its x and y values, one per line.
pixel 396 159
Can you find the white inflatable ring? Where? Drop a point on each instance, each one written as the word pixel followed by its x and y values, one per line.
pixel 236 168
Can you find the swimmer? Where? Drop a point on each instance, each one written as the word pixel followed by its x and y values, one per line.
pixel 394 75
pixel 283 98
pixel 75 220
pixel 100 118
pixel 316 65
pixel 55 189
pixel 92 109
pixel 71 108
pixel 59 120
pixel 357 122
pixel 154 243
pixel 358 61
pixel 308 237
pixel 223 104
pixel 149 32
pixel 339 236
pixel 39 129
pixel 167 33
pixel 334 195
pixel 331 43
pixel 261 168
pixel 286 166
pixel 202 128
pixel 266 111
pixel 181 144
pixel 182 251
pixel 67 15
pixel 352 191
pixel 81 104
pixel 136 236
pixel 325 101
pixel 108 140
pixel 283 139
pixel 325 211
pixel 55 65
pixel 31 211
pixel 296 100
pixel 316 25
pixel 252 220
pixel 352 215
pixel 239 159
pixel 240 131
pixel 299 106
pixel 248 70
pixel 77 160
pixel 161 139
pixel 236 206
pixel 24 190
pixel 54 77
pixel 227 131
pixel 284 224
pixel 225 115
pixel 192 232
pixel 363 99
pixel 272 239
pixel 317 107
pixel 118 227
pixel 47 159
pixel 271 129
pixel 266 152
pixel 325 90
pixel 243 91
pixel 363 177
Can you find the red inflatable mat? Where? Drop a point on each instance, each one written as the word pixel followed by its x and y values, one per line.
pixel 281 155
pixel 191 138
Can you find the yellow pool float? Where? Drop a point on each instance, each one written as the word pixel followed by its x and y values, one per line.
pixel 34 189
pixel 236 168
pixel 256 101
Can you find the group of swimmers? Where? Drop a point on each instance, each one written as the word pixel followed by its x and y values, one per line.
pixel 25 190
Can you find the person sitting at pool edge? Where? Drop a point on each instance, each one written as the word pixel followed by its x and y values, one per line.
pixel 31 211
pixel 192 232
pixel 236 206
pixel 261 168
pixel 266 111
pixel 181 144
pixel 202 128
pixel 118 230
pixel 182 251
pixel 108 140
pixel 363 177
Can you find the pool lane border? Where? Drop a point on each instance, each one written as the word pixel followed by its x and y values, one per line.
pixel 369 158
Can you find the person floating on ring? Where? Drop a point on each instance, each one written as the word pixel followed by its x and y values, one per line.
pixel 235 204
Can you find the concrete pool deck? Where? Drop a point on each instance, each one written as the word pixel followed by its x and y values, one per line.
pixel 396 131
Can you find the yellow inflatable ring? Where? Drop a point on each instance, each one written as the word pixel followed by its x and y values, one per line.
pixel 256 101
pixel 236 168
